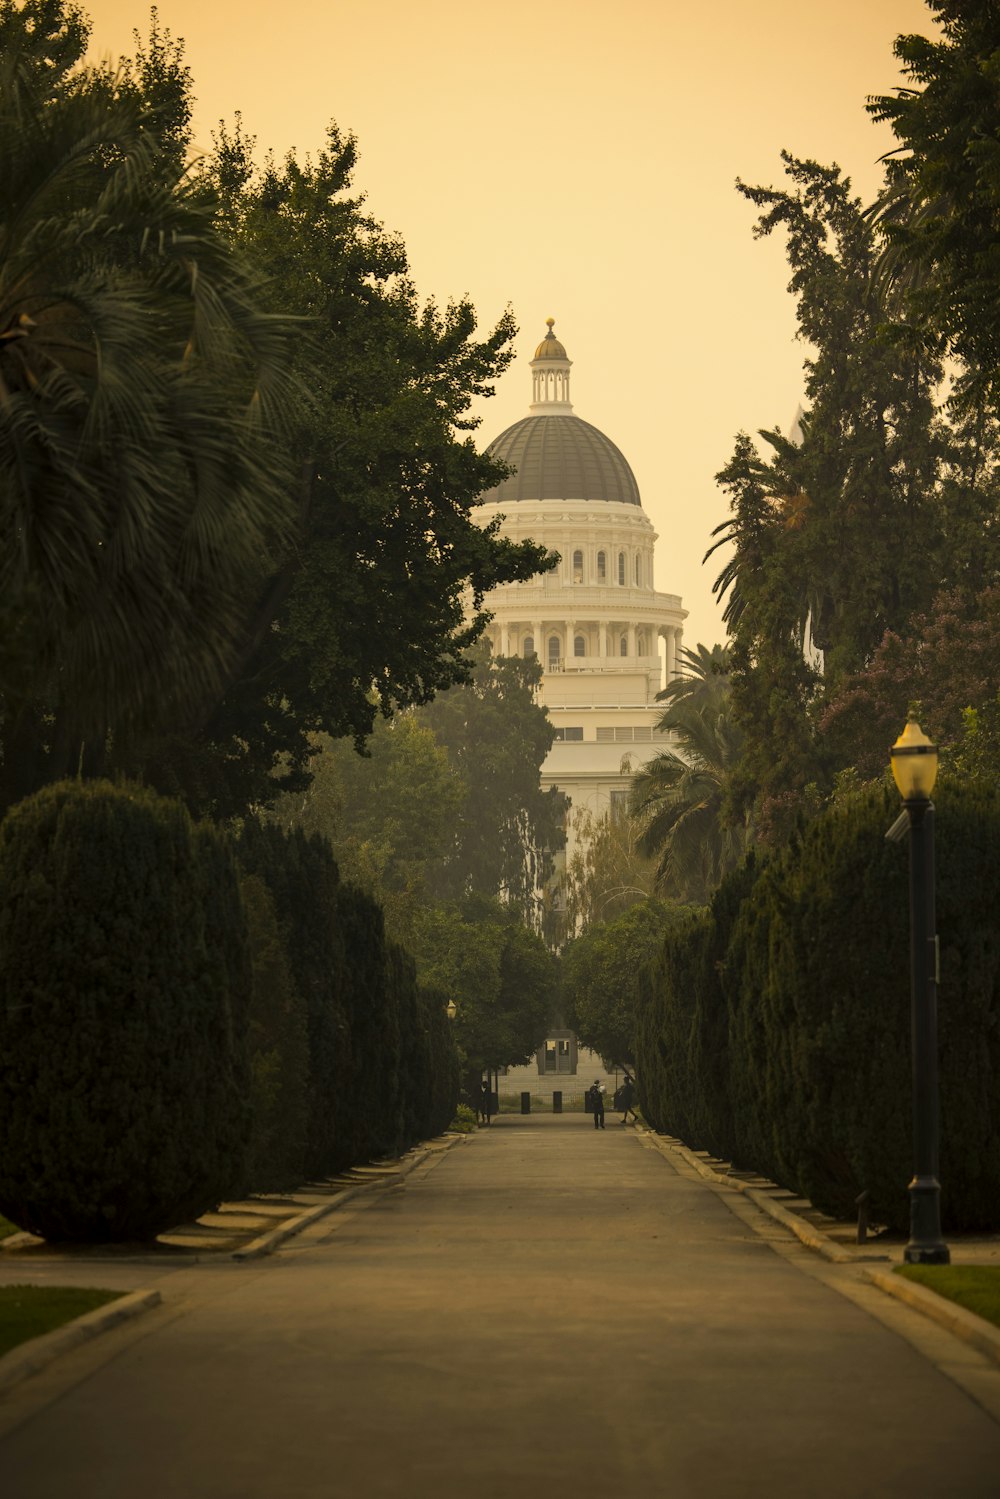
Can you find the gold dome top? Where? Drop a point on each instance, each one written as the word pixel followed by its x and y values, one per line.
pixel 550 347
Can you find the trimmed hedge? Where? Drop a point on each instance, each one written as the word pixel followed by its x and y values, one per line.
pixel 301 874
pixel 776 1032
pixel 279 1052
pixel 382 1066
pixel 124 1077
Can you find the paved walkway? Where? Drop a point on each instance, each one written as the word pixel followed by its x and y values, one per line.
pixel 543 1310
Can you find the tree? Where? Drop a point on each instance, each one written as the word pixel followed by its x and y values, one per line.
pixel 447 800
pixel 144 386
pixel 498 973
pixel 941 207
pixel 390 815
pixel 367 611
pixel 679 796
pixel 946 661
pixel 497 736
pixel 605 875
pixel 600 975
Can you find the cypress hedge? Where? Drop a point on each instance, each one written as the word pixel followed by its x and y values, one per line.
pixel 123 1068
pixel 301 874
pixel 376 1126
pixel 279 1052
pixel 777 1032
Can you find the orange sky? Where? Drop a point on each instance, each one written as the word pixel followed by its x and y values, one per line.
pixel 577 158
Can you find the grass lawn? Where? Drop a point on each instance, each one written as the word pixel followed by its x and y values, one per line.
pixel 976 1287
pixel 7 1228
pixel 28 1311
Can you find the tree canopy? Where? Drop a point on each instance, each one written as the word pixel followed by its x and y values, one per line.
pixel 250 569
pixel 145 386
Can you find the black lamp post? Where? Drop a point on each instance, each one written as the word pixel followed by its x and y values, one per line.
pixel 914 767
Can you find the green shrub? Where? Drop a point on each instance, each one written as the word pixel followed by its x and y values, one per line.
pixel 779 1034
pixel 376 1124
pixel 301 875
pixel 123 1066
pixel 279 1052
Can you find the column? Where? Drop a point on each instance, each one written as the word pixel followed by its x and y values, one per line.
pixel 538 638
pixel 670 660
pixel 604 638
pixel 504 640
pixel 631 642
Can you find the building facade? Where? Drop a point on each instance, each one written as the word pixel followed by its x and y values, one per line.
pixel 607 639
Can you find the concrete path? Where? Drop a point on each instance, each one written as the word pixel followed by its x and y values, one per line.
pixel 545 1310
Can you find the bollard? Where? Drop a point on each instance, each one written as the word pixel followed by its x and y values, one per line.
pixel 525 1103
pixel 557 1103
pixel 861 1203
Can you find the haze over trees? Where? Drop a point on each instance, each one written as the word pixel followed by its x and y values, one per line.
pixel 270 532
pixel 866 547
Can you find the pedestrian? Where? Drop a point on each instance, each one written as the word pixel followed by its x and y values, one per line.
pixel 484 1102
pixel 625 1097
pixel 597 1102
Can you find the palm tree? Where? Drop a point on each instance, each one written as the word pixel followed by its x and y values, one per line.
pixel 678 797
pixel 143 479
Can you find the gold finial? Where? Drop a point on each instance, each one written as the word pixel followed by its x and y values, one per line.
pixel 550 322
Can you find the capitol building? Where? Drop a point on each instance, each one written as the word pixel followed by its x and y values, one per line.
pixel 606 638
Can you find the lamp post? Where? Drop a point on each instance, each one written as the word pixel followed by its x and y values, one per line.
pixel 914 767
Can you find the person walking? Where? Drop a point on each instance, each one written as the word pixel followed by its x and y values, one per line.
pixel 626 1095
pixel 597 1102
pixel 484 1102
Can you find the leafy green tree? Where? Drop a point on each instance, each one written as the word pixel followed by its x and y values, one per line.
pixel 605 875
pixel 946 661
pixel 390 815
pixel 941 206
pixel 143 474
pixel 679 796
pixel 499 974
pixel 497 736
pixel 367 611
pixel 600 976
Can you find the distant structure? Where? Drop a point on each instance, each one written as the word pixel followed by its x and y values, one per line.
pixel 597 622
pixel 607 640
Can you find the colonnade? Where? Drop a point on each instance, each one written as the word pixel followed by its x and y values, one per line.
pixel 518 638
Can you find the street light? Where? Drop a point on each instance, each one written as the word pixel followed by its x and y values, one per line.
pixel 914 762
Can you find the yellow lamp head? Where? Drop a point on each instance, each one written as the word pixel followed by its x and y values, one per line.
pixel 914 762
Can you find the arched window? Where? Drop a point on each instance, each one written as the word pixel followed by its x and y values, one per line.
pixel 640 644
pixel 553 650
pixel 529 645
pixel 638 570
pixel 623 645
pixel 579 646
pixel 602 568
pixel 577 567
pixel 621 569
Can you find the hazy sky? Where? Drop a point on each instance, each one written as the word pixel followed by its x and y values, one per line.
pixel 576 158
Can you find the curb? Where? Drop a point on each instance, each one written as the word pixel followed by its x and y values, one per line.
pixel 975 1331
pixel 275 1237
pixel 32 1357
pixel 811 1237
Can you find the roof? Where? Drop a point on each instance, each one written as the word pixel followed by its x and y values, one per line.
pixel 561 458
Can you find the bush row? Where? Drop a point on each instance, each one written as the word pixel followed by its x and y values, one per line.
pixel 774 1030
pixel 182 1020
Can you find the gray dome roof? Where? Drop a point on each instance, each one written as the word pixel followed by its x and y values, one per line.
pixel 561 458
